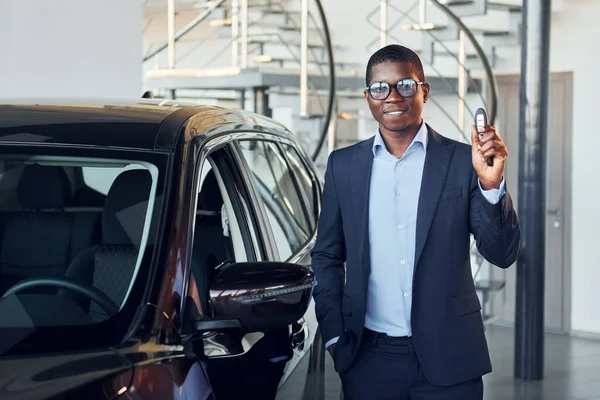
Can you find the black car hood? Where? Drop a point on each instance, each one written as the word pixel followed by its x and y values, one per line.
pixel 98 375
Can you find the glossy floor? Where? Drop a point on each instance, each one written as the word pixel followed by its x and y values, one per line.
pixel 572 370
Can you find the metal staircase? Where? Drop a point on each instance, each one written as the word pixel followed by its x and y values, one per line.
pixel 256 53
pixel 261 47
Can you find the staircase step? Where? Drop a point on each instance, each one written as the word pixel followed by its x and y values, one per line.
pixel 449 49
pixel 269 28
pixel 277 11
pixel 469 7
pixel 441 52
pixel 453 3
pixel 423 27
pixel 511 5
pixel 263 42
pixel 464 8
pixel 492 21
pixel 216 23
pixel 493 32
pixel 275 39
pixel 437 29
pixel 267 59
pixel 251 4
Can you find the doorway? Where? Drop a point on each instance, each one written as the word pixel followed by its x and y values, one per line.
pixel 557 314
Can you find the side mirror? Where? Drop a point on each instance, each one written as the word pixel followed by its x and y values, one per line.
pixel 258 296
pixel 251 297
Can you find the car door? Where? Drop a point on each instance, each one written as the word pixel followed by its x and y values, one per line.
pixel 288 195
pixel 227 230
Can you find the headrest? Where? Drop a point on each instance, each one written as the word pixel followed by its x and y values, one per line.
pixel 209 198
pixel 125 208
pixel 44 187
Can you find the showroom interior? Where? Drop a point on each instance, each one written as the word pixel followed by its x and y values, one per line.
pixel 302 63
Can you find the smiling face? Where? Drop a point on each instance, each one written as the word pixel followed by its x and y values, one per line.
pixel 397 115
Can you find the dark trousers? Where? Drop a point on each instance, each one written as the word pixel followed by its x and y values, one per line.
pixel 387 368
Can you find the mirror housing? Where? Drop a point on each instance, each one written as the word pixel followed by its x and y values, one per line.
pixel 258 296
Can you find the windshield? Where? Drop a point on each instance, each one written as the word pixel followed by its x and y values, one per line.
pixel 74 232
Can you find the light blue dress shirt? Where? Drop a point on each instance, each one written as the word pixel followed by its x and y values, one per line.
pixel 393 200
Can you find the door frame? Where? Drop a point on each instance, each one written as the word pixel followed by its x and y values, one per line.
pixel 565 77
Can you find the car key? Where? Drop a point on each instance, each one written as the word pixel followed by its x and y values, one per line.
pixel 481 122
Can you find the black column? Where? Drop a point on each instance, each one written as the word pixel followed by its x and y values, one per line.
pixel 261 101
pixel 242 93
pixel 533 137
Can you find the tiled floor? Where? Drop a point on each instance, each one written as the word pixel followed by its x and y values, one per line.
pixel 572 370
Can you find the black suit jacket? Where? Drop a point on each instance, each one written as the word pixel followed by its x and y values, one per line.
pixel 447 327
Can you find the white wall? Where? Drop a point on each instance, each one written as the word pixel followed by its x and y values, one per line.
pixel 70 48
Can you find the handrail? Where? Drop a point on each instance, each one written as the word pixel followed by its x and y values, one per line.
pixel 191 25
pixel 310 49
pixel 332 89
pixel 493 109
pixel 440 42
pixel 325 35
pixel 384 27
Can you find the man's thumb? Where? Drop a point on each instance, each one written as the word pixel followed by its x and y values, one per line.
pixel 474 138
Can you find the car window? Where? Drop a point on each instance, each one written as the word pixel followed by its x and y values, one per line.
pixel 305 181
pixel 280 195
pixel 100 178
pixel 49 230
pixel 222 233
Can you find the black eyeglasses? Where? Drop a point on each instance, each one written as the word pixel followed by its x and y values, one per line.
pixel 405 88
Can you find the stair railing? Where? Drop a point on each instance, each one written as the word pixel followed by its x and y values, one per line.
pixel 239 49
pixel 185 30
pixel 489 73
pixel 464 76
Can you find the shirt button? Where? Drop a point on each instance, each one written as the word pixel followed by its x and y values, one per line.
pixel 398 192
pixel 402 262
pixel 405 294
pixel 399 226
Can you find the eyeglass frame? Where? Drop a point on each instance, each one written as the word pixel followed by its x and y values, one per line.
pixel 368 89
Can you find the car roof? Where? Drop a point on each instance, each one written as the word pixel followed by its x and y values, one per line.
pixel 150 124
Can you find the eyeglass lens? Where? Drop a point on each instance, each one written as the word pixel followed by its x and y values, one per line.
pixel 381 90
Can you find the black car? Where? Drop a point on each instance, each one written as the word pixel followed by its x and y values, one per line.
pixel 155 251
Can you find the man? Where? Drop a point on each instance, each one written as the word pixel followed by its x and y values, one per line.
pixel 401 318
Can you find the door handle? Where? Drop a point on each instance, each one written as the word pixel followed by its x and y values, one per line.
pixel 555 212
pixel 300 334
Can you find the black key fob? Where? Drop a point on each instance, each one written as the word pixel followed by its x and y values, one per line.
pixel 481 121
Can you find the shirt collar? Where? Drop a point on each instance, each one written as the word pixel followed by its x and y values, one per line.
pixel 420 137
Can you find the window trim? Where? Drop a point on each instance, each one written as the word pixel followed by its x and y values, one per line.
pixel 247 225
pixel 316 186
pixel 298 188
pixel 310 168
pixel 307 245
pixel 271 251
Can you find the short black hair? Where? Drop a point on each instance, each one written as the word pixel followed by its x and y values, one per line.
pixel 395 53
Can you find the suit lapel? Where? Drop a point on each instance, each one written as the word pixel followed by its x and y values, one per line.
pixel 360 182
pixel 437 163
